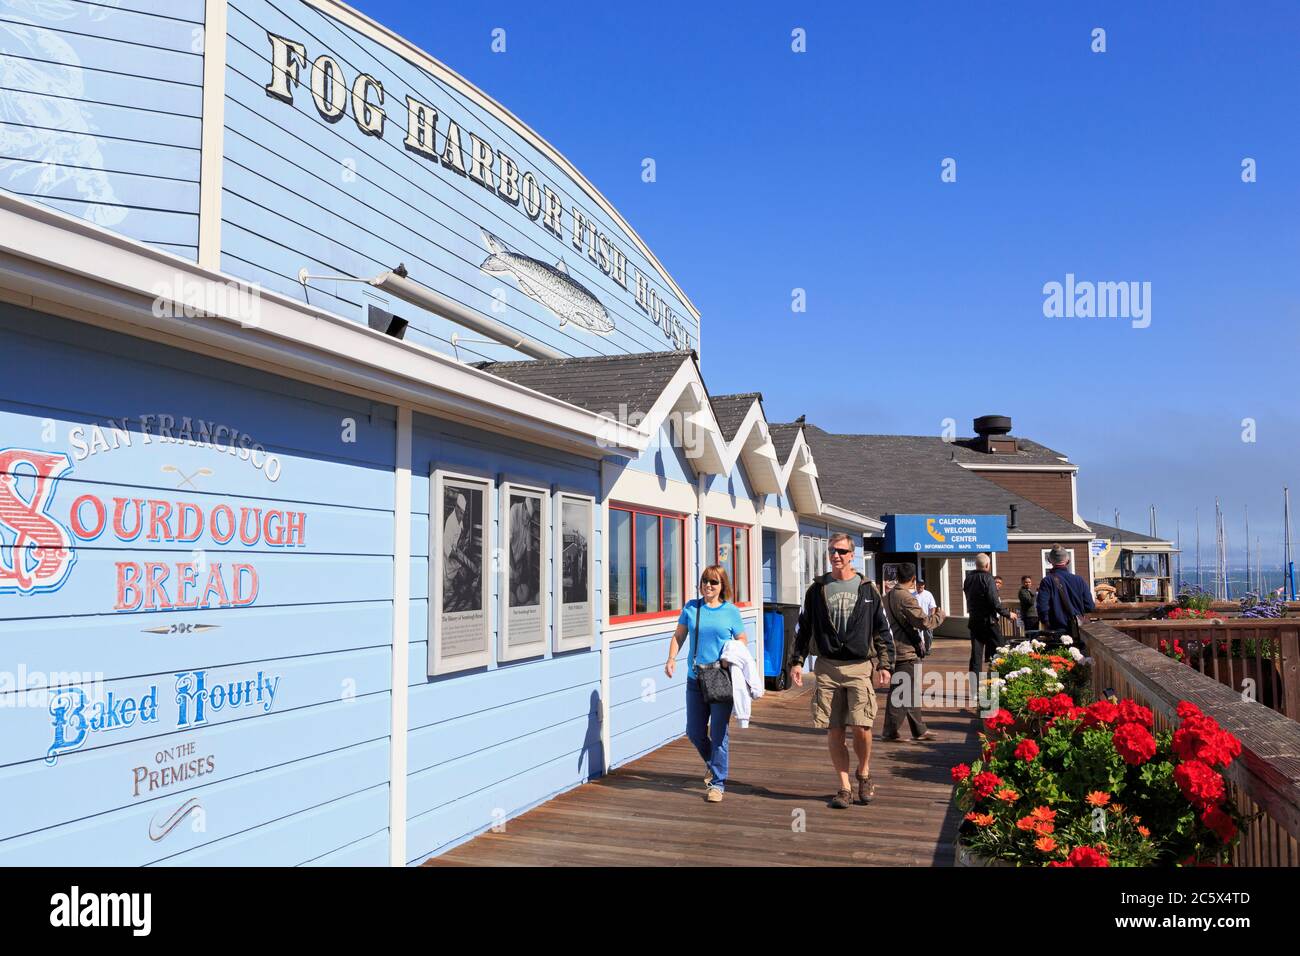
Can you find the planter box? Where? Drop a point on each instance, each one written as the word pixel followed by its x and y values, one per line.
pixel 965 856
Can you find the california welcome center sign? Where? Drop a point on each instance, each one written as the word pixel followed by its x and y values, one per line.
pixel 945 533
pixel 440 179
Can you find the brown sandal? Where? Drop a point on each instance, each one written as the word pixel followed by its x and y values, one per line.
pixel 866 790
pixel 842 800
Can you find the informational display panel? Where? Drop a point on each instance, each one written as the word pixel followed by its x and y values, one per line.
pixel 575 624
pixel 459 635
pixel 524 528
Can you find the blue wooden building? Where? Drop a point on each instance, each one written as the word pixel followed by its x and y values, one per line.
pixel 355 459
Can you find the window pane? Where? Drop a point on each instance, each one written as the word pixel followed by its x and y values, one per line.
pixel 672 563
pixel 620 563
pixel 647 564
pixel 710 545
pixel 742 566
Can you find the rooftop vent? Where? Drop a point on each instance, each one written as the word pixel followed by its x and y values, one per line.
pixel 993 432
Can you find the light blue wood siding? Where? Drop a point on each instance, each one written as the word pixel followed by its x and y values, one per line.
pixel 487 744
pixel 299 747
pixel 662 458
pixel 100 113
pixel 304 192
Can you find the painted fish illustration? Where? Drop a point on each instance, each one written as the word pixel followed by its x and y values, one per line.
pixel 548 285
pixel 49 146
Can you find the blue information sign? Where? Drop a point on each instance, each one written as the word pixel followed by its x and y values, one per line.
pixel 945 533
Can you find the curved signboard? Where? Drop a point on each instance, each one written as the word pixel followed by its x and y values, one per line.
pixel 348 151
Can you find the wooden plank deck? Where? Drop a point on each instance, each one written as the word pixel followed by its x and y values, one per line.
pixel 651 812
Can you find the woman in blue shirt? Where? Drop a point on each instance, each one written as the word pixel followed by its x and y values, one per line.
pixel 711 620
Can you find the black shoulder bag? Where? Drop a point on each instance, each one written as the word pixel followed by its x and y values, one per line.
pixel 715 682
pixel 1072 626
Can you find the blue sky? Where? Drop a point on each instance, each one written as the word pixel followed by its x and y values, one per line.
pixel 779 170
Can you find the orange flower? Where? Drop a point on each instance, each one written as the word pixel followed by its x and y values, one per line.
pixel 1042 828
pixel 1098 798
pixel 1144 831
pixel 1046 844
pixel 1027 823
pixel 1136 818
pixel 1007 794
pixel 1042 813
pixel 980 819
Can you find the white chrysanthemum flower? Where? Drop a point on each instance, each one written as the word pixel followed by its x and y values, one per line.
pixel 1076 654
pixel 1037 644
pixel 1067 640
pixel 1049 672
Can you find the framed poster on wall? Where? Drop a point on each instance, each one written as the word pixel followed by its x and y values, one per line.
pixel 524 528
pixel 575 602
pixel 459 633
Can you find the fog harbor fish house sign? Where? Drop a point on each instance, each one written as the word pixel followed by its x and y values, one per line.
pixel 446 145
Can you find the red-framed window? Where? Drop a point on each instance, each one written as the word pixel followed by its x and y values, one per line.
pixel 647 561
pixel 728 544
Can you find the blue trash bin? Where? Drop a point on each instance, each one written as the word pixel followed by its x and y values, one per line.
pixel 774 646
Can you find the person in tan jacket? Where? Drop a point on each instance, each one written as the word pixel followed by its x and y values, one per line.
pixel 907 620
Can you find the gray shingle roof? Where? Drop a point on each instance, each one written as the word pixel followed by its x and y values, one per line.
pixel 876 475
pixel 730 411
pixel 1028 452
pixel 1113 533
pixel 783 437
pixel 600 383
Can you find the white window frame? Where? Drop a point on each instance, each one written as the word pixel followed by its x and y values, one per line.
pixel 559 643
pixel 1047 565
pixel 437 663
pixel 505 650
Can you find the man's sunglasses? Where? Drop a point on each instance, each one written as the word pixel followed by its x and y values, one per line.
pixel 841 551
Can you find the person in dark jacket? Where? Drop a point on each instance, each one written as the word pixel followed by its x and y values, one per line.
pixel 907 620
pixel 983 607
pixel 1062 595
pixel 1028 610
pixel 843 622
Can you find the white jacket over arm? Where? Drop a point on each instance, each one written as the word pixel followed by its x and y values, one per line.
pixel 746 679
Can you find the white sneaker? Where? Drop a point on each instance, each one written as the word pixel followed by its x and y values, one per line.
pixel 714 795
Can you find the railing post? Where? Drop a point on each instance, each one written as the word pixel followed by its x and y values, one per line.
pixel 1289 641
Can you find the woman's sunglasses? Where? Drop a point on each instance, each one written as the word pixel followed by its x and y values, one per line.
pixel 712 582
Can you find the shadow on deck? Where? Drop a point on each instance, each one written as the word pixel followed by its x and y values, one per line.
pixel 651 812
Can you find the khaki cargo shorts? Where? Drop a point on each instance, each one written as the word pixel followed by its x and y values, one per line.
pixel 844 695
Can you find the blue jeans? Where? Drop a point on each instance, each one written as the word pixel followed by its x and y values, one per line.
pixel 713 744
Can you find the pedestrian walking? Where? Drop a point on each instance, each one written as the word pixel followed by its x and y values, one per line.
pixel 911 626
pixel 983 608
pixel 843 620
pixel 711 620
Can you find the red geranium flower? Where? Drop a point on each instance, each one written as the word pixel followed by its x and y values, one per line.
pixel 1134 743
pixel 1087 856
pixel 1220 823
pixel 1026 750
pixel 1199 783
pixel 999 720
pixel 1187 709
pixel 960 772
pixel 985 783
pixel 1201 738
pixel 1131 712
pixel 1039 706
pixel 1102 712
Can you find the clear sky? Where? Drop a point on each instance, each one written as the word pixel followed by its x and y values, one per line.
pixel 821 171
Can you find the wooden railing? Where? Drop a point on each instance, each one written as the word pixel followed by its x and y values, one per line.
pixel 1133 610
pixel 1259 658
pixel 1265 779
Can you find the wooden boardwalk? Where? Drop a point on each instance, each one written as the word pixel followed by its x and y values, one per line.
pixel 651 812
